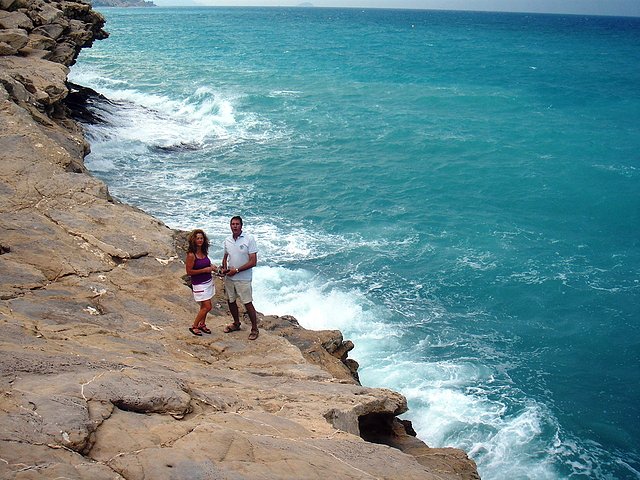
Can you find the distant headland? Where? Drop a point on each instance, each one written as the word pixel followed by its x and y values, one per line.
pixel 122 3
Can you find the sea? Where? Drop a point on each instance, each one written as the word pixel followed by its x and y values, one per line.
pixel 457 192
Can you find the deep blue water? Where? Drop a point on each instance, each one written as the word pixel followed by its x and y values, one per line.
pixel 456 192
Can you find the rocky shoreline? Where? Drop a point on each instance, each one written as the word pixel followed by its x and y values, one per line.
pixel 100 377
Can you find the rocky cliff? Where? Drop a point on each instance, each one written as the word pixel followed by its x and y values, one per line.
pixel 99 376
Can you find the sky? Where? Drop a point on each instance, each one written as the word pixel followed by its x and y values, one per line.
pixel 586 7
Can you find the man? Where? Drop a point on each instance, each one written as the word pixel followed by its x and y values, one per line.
pixel 240 256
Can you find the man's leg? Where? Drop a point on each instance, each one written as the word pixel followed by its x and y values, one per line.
pixel 230 292
pixel 233 308
pixel 251 311
pixel 243 289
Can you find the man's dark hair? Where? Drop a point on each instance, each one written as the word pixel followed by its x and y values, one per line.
pixel 237 217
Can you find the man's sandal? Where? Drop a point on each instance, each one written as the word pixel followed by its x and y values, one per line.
pixel 204 329
pixel 232 327
pixel 254 334
pixel 195 331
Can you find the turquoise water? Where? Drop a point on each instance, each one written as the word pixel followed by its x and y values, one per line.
pixel 456 192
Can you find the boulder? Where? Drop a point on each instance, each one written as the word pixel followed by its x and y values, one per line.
pixel 15 38
pixel 6 49
pixel 51 30
pixel 9 20
pixel 44 14
pixel 63 53
pixel 6 4
pixel 41 42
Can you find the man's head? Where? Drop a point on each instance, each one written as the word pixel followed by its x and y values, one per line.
pixel 236 225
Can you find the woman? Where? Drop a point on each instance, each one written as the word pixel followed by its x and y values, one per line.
pixel 199 267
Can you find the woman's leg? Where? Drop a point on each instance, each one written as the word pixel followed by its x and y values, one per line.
pixel 205 307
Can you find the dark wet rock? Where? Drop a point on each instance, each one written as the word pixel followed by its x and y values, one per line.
pixel 85 104
pixel 176 148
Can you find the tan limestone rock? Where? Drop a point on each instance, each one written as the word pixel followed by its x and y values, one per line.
pixel 16 38
pixel 6 49
pixel 10 20
pixel 41 42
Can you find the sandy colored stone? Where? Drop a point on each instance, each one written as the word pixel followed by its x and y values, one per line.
pixel 14 19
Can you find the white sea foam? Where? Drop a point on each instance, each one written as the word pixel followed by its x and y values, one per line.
pixel 155 120
pixel 316 303
pixel 196 120
pixel 478 261
pixel 294 243
pixel 624 170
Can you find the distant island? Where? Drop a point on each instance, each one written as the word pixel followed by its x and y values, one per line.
pixel 122 3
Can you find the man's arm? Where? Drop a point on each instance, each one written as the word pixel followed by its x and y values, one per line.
pixel 253 261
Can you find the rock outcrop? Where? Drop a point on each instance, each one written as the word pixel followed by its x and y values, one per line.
pixel 99 376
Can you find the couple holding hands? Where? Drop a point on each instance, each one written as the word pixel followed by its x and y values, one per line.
pixel 240 256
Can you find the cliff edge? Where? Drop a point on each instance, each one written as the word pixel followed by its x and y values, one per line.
pixel 100 377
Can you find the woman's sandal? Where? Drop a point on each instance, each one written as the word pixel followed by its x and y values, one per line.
pixel 204 329
pixel 254 334
pixel 232 327
pixel 195 331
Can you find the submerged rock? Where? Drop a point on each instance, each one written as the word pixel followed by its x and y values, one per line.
pixel 85 104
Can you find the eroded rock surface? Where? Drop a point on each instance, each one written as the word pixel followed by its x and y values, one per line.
pixel 99 376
